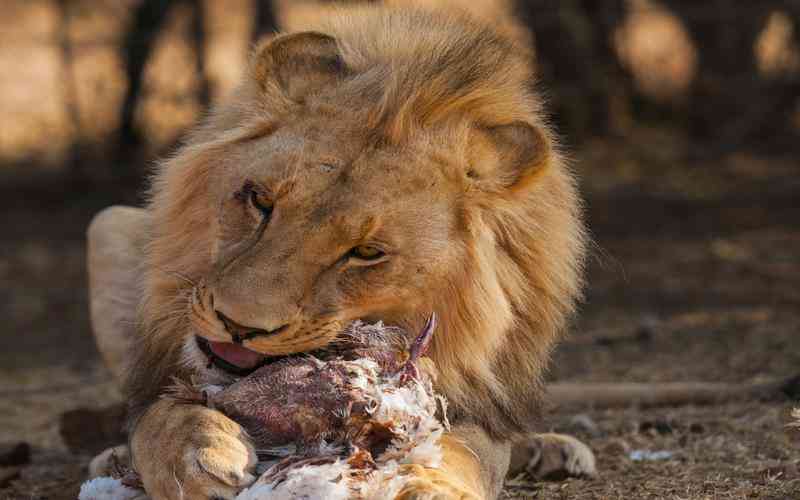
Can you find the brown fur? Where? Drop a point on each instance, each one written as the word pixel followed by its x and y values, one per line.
pixel 410 129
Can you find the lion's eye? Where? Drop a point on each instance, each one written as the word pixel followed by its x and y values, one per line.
pixel 367 252
pixel 262 203
pixel 250 195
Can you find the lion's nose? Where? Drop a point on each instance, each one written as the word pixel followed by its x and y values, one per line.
pixel 240 333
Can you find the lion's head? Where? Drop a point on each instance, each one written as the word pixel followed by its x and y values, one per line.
pixel 384 166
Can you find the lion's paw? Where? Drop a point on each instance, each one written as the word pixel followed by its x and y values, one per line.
pixel 193 453
pixel 554 457
pixel 432 484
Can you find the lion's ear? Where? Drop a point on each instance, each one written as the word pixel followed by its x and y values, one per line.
pixel 298 64
pixel 116 241
pixel 508 157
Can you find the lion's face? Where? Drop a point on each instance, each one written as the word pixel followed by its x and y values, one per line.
pixel 315 227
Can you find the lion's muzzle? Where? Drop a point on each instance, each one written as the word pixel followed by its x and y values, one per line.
pixel 237 342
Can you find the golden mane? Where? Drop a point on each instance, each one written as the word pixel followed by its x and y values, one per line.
pixel 524 244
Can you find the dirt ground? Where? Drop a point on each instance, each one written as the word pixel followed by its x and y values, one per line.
pixel 695 275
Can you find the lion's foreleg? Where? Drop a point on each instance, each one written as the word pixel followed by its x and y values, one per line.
pixel 473 467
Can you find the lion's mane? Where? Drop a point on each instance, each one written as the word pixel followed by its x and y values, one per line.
pixel 510 301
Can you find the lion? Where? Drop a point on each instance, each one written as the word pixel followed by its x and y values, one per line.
pixel 381 164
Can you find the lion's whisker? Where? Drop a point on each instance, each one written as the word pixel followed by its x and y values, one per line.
pixel 170 272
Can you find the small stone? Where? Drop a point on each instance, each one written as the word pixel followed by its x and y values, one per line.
pixel 585 423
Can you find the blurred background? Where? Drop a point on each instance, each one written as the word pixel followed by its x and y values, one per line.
pixel 683 121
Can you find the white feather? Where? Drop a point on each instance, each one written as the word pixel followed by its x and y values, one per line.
pixel 106 488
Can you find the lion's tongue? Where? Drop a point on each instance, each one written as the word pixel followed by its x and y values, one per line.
pixel 236 354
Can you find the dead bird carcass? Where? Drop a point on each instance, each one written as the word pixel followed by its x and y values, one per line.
pixel 339 423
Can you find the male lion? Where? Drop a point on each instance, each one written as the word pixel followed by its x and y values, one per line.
pixel 389 163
